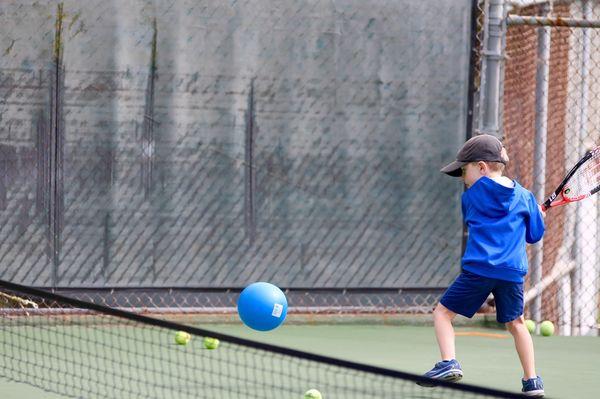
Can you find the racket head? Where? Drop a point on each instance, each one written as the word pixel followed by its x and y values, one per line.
pixel 582 181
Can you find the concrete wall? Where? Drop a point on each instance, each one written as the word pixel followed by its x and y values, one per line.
pixel 216 143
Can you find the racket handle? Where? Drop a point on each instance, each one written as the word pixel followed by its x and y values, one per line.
pixel 547 204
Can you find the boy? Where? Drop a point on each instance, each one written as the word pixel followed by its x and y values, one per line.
pixel 501 217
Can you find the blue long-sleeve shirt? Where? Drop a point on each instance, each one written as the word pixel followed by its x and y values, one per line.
pixel 500 220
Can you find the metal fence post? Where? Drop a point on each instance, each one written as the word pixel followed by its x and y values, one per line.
pixel 541 133
pixel 495 29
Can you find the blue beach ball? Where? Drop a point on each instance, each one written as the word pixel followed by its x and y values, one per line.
pixel 262 306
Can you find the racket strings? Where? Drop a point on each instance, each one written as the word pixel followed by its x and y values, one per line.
pixel 587 178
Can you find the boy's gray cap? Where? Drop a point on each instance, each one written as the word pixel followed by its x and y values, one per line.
pixel 484 147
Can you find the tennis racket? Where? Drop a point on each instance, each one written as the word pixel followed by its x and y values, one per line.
pixel 582 181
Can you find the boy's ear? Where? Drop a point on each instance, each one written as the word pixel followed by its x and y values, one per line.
pixel 482 167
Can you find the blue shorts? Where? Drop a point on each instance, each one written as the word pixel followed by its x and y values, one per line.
pixel 469 291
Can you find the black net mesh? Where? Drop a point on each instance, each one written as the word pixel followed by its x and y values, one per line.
pixel 81 350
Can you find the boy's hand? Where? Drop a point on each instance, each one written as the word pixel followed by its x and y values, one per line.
pixel 542 210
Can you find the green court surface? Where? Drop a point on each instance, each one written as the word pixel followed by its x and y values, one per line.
pixel 569 365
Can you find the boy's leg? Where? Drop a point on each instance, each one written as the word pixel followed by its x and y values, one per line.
pixel 444 332
pixel 509 310
pixel 448 369
pixel 524 346
pixel 464 296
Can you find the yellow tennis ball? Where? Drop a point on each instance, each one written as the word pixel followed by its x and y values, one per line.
pixel 547 328
pixel 182 338
pixel 530 326
pixel 211 343
pixel 312 394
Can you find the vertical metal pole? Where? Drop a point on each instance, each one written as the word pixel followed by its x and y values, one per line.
pixel 541 133
pixel 472 67
pixel 584 274
pixel 492 67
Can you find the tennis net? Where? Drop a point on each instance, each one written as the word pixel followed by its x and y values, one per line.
pixel 84 350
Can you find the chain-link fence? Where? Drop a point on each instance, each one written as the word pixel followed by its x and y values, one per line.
pixel 550 119
pixel 190 149
pixel 166 155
